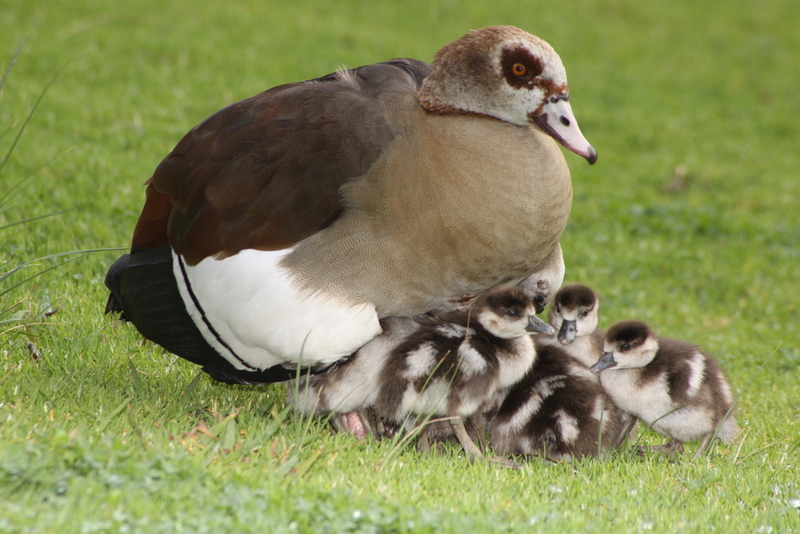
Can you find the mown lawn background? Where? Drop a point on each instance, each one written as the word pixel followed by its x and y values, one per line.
pixel 689 221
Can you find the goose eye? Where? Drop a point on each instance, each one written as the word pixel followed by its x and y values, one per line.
pixel 518 69
pixel 625 346
pixel 584 313
pixel 513 313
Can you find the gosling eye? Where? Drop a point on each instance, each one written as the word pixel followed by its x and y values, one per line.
pixel 625 346
pixel 584 313
pixel 512 313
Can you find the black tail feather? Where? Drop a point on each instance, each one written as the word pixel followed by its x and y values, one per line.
pixel 144 292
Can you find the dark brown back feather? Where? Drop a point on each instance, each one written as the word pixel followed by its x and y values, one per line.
pixel 394 377
pixel 265 172
pixel 576 397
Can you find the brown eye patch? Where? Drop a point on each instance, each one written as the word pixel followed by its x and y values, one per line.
pixel 519 66
pixel 630 334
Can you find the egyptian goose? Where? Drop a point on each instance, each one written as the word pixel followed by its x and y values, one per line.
pixel 448 367
pixel 669 384
pixel 542 285
pixel 558 411
pixel 574 315
pixel 280 230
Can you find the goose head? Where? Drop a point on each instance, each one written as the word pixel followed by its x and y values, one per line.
pixel 574 312
pixel 508 74
pixel 628 345
pixel 507 313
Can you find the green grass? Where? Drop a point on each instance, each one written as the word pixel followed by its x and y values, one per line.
pixel 689 221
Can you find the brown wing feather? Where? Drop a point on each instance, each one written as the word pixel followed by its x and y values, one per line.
pixel 265 172
pixel 151 228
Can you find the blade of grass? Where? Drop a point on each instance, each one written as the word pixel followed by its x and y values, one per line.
pixel 13 61
pixel 736 402
pixel 136 380
pixel 46 215
pixel 25 125
pixel 8 274
pixel 191 388
pixel 303 468
pixel 6 198
pixel 114 413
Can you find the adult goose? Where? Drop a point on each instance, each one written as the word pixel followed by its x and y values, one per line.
pixel 281 229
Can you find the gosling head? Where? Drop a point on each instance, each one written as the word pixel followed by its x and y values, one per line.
pixel 574 312
pixel 628 345
pixel 507 313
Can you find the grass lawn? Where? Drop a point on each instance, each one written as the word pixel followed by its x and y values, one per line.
pixel 689 221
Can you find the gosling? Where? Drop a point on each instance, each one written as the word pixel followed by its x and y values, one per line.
pixel 448 366
pixel 575 315
pixel 671 385
pixel 558 411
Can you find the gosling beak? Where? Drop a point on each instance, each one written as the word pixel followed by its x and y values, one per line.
pixel 605 361
pixel 537 325
pixel 566 334
pixel 558 121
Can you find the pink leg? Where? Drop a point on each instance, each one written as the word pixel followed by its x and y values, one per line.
pixel 352 424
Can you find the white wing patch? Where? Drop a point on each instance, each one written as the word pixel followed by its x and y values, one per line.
pixel 420 362
pixel 727 395
pixel 248 309
pixel 697 366
pixel 453 330
pixel 546 386
pixel 522 415
pixel 472 362
pixel 567 426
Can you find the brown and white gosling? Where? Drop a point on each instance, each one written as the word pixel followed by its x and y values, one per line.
pixel 575 315
pixel 669 384
pixel 450 366
pixel 558 411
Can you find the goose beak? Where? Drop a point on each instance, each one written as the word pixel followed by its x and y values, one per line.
pixel 605 361
pixel 558 121
pixel 537 325
pixel 566 334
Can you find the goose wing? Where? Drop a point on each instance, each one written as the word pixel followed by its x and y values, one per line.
pixel 265 173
